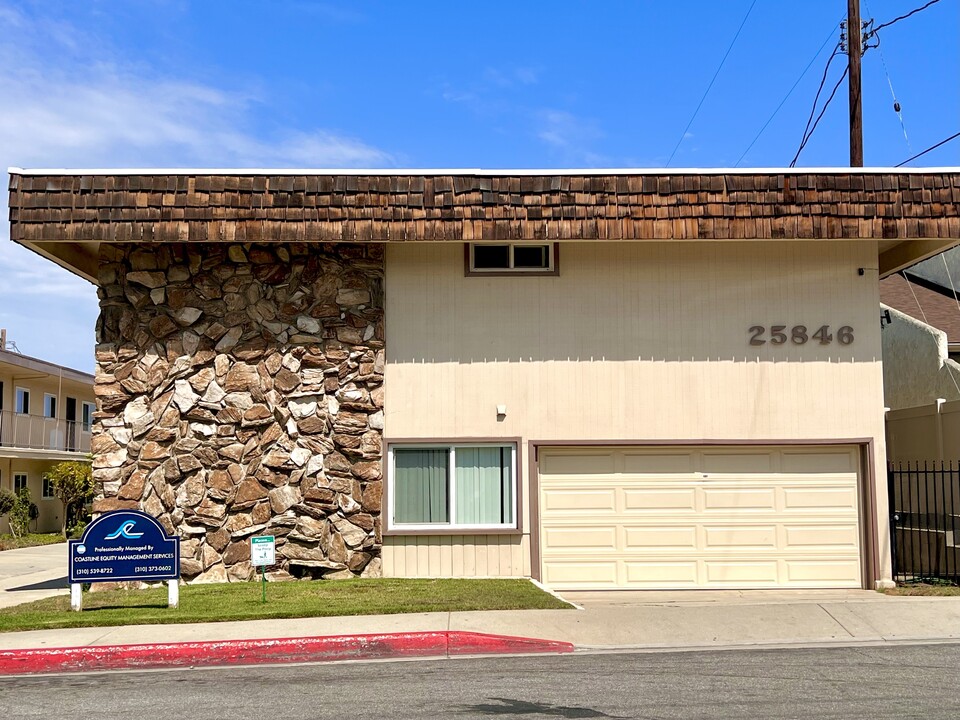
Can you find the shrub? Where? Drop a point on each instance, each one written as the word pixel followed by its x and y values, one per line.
pixel 7 501
pixel 21 512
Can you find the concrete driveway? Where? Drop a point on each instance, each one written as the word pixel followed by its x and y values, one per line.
pixel 33 573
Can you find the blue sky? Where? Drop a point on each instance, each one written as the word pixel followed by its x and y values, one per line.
pixel 296 83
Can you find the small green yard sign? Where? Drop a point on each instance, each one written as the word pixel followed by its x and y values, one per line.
pixel 263 552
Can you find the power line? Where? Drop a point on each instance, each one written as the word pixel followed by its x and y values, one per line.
pixel 822 111
pixel 871 33
pixel 904 17
pixel 855 36
pixel 785 97
pixel 932 147
pixel 816 99
pixel 808 132
pixel 712 80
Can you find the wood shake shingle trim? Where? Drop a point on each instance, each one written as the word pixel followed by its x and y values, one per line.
pixel 453 207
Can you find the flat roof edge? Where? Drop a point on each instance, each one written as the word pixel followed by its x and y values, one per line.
pixel 486 171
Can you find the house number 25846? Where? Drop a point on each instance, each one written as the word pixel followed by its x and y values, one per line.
pixel 799 335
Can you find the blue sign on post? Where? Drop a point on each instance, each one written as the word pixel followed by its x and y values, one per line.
pixel 124 545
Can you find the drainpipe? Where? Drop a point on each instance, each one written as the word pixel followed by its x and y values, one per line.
pixel 940 402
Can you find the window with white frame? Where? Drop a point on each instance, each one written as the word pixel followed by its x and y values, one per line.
pixel 49 405
pixel 19 481
pixel 22 405
pixel 47 489
pixel 455 486
pixel 87 410
pixel 512 258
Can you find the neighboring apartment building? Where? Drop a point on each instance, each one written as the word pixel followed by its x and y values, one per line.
pixel 600 379
pixel 46 415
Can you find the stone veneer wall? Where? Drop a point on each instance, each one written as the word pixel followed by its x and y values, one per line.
pixel 240 391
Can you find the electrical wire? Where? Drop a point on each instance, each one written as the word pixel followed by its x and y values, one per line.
pixel 712 80
pixel 785 97
pixel 904 17
pixel 855 35
pixel 932 147
pixel 871 33
pixel 817 122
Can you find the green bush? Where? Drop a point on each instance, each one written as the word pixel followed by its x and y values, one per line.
pixel 7 501
pixel 21 513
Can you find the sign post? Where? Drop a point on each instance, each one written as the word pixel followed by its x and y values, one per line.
pixel 124 545
pixel 263 552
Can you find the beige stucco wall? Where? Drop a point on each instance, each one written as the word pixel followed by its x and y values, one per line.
pixel 632 341
pixel 917 369
pixel 927 433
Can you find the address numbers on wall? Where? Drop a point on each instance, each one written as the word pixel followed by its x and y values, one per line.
pixel 799 335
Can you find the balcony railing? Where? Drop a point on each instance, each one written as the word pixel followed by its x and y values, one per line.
pixel 34 432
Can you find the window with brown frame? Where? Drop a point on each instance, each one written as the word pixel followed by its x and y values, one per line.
pixel 511 259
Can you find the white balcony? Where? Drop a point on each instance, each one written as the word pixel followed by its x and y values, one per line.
pixel 20 433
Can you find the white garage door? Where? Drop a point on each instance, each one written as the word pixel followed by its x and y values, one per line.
pixel 700 518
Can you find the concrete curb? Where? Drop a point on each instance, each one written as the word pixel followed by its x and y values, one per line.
pixel 285 650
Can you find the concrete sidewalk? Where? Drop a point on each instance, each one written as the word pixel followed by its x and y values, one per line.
pixel 608 621
pixel 32 573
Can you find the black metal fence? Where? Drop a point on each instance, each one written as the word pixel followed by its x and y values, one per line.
pixel 925 521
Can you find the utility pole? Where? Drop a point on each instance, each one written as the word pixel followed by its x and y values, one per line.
pixel 854 50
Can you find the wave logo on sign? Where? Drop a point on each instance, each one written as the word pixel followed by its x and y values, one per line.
pixel 125 531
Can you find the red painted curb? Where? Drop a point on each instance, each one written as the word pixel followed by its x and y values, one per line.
pixel 285 650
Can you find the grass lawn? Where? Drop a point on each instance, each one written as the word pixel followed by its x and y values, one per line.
pixel 241 601
pixel 924 589
pixel 9 542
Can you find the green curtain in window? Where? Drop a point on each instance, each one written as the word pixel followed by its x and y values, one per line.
pixel 420 484
pixel 484 487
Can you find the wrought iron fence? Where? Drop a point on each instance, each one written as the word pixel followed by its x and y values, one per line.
pixel 925 521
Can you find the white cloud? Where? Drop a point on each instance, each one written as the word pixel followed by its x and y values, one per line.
pixel 569 135
pixel 64 108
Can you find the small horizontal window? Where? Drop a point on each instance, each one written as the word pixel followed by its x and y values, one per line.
pixel 452 486
pixel 520 258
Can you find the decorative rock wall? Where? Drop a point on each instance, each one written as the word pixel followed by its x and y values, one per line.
pixel 239 392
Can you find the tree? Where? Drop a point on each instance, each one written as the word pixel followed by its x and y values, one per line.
pixel 72 483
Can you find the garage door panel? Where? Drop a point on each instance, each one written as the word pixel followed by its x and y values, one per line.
pixel 743 499
pixel 822 498
pixel 701 517
pixel 659 574
pixel 660 538
pixel 573 574
pixel 581 501
pixel 809 537
pixel 568 463
pixel 824 573
pixel 839 461
pixel 658 500
pixel 657 463
pixel 742 573
pixel 579 537
pixel 739 536
pixel 736 463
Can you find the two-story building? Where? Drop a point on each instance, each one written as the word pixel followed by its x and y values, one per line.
pixel 46 415
pixel 597 378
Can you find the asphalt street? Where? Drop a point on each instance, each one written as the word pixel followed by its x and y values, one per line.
pixel 895 681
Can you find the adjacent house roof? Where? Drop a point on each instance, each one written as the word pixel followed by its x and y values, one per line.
pixel 923 301
pixel 64 215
